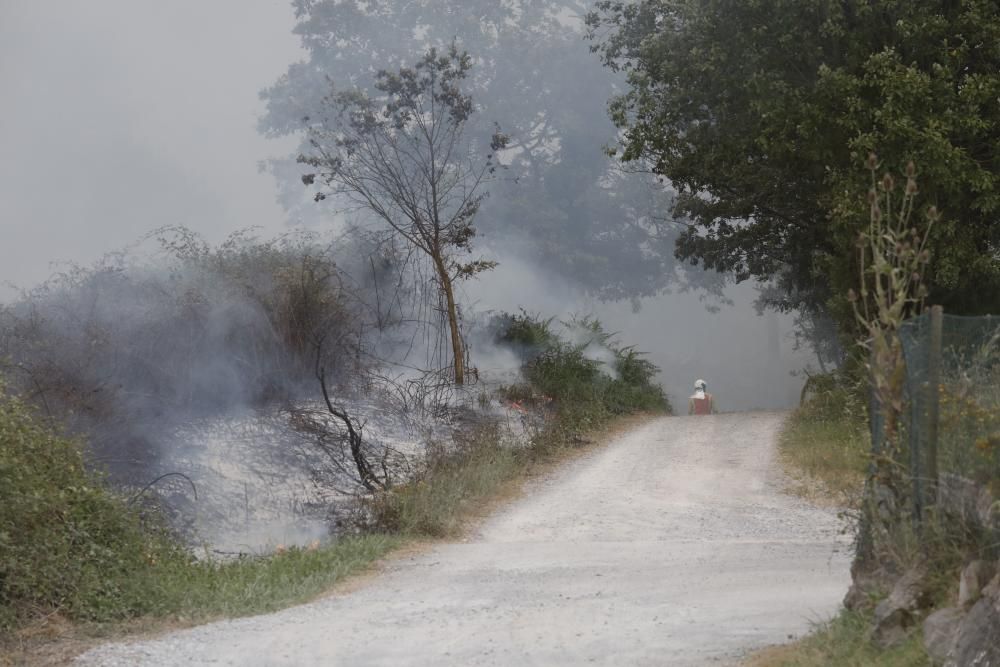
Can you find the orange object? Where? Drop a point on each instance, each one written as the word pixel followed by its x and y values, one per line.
pixel 703 406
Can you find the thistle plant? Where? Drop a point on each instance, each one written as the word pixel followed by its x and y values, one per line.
pixel 893 256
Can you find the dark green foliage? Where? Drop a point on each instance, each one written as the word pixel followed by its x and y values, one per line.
pixel 761 114
pixel 634 390
pixel 526 334
pixel 831 397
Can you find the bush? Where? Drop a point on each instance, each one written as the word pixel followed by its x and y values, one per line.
pixel 834 397
pixel 591 377
pixel 65 542
pixel 527 335
pixel 124 350
pixel 579 388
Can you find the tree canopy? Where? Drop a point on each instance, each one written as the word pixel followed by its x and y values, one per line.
pixel 761 114
pixel 561 202
pixel 399 152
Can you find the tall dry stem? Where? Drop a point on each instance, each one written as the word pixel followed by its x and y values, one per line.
pixel 894 256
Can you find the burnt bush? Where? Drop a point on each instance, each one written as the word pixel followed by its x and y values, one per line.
pixel 122 348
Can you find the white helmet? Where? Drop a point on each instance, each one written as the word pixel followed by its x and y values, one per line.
pixel 700 384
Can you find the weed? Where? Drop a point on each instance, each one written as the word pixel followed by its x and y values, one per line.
pixel 842 641
pixel 826 439
pixel 437 501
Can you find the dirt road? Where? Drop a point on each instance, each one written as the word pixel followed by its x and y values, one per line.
pixel 674 545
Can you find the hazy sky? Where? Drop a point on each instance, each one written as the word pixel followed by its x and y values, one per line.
pixel 120 116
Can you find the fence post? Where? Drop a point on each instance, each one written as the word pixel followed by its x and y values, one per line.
pixel 932 396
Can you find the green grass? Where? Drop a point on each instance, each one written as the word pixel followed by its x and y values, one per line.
pixel 843 642
pixel 205 589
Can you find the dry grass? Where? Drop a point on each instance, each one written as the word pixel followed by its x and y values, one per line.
pixel 825 449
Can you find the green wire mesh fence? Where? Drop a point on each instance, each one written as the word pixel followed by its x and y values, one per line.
pixel 949 438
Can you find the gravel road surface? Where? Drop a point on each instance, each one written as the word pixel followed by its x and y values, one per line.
pixel 674 545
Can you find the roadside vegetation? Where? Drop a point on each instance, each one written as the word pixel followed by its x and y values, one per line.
pixel 826 447
pixel 923 561
pixel 843 641
pixel 825 444
pixel 73 549
pixel 573 396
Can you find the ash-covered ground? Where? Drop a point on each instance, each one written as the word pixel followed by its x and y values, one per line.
pixel 256 480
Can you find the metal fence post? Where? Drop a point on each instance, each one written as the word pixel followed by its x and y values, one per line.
pixel 932 396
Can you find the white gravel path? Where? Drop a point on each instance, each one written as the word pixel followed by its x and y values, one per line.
pixel 674 545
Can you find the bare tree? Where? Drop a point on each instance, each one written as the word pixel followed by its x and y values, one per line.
pixel 400 154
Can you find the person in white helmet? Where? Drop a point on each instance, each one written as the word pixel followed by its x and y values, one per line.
pixel 701 402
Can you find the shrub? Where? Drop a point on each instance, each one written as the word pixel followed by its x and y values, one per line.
pixel 69 545
pixel 827 437
pixel 66 543
pixel 834 397
pixel 123 350
pixel 525 334
pixel 589 377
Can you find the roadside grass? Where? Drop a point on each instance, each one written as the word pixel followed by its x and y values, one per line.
pixel 180 593
pixel 208 589
pixel 825 446
pixel 842 641
pixel 453 485
pixel 825 442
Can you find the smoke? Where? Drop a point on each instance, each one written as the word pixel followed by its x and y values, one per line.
pixel 749 360
pixel 124 116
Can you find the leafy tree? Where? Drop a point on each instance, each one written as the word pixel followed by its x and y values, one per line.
pixel 562 203
pixel 402 156
pixel 761 114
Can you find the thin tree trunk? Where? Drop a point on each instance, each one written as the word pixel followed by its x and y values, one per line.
pixel 457 348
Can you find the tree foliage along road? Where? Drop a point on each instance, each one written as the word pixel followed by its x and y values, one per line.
pixel 561 204
pixel 762 114
pixel 402 156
